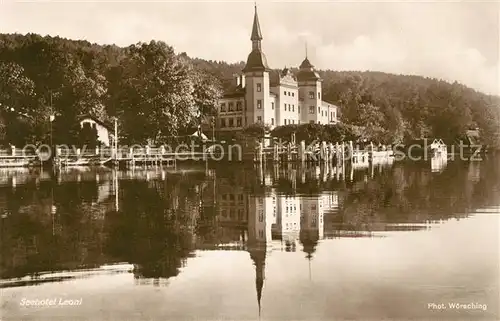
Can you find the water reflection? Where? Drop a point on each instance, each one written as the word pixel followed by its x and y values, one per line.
pixel 156 220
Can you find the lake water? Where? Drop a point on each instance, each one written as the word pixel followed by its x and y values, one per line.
pixel 399 241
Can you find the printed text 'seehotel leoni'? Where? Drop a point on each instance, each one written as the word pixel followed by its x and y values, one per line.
pixel 263 96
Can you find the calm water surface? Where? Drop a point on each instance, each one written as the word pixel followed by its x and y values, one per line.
pixel 241 243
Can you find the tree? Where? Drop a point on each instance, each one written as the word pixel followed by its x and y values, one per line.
pixel 157 93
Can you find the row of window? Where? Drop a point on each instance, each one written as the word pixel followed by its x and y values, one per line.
pixel 231 106
pixel 289 93
pixel 232 213
pixel 231 197
pixel 231 122
pixel 312 96
pixel 290 107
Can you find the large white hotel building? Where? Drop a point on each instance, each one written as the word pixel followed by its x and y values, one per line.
pixel 261 95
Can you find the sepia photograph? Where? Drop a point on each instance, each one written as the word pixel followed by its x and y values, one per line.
pixel 249 160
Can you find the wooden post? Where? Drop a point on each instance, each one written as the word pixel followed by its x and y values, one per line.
pixel 351 150
pixel 261 152
pixel 337 153
pixel 302 151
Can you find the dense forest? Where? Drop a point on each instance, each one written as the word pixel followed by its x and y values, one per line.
pixel 151 90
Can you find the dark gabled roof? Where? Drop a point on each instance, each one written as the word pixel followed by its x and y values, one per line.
pixel 274 78
pixel 233 92
pixel 97 120
pixel 324 101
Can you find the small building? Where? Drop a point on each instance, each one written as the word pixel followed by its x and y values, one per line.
pixel 104 131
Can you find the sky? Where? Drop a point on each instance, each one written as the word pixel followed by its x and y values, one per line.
pixel 454 41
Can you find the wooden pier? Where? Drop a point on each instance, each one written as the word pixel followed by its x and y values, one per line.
pixel 323 152
pixel 277 152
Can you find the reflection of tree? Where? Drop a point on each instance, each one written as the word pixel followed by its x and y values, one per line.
pixel 149 233
pixel 35 239
pixel 410 193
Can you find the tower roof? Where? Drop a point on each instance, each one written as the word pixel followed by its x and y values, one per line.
pixel 306 64
pixel 307 72
pixel 256 61
pixel 256 33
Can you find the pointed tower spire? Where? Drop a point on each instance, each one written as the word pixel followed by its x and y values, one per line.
pixel 258 257
pixel 259 284
pixel 256 61
pixel 256 33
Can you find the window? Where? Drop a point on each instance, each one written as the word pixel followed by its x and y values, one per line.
pixel 334 115
pixel 223 122
pixel 285 107
pixel 259 104
pixel 272 121
pixel 299 109
pixel 331 116
pixel 284 121
pixel 319 95
pixel 259 87
pixel 311 109
pixel 261 216
pixel 319 109
pixel 272 105
pixel 238 122
pixel 261 234
pixel 259 119
pixel 311 94
pixel 230 106
pixel 284 93
pixel 231 122
pixel 293 94
pixel 223 107
pixel 289 93
pixel 293 107
pixel 238 105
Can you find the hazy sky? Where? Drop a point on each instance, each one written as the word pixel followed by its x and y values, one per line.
pixel 448 40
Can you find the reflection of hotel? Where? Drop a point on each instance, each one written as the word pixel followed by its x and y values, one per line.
pixel 263 223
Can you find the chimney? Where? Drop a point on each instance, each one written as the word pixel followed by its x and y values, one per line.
pixel 242 80
pixel 237 79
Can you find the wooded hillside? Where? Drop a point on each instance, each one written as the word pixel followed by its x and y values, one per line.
pixel 151 90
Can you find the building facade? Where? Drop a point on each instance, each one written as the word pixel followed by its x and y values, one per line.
pixel 274 98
